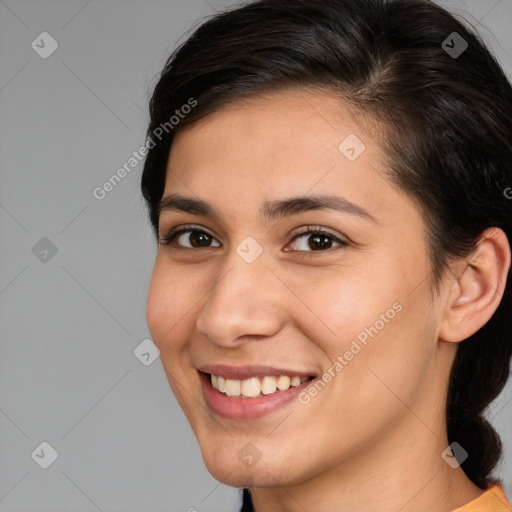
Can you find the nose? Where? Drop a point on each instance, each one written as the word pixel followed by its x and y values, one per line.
pixel 245 303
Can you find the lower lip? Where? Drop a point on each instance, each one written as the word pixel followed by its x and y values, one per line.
pixel 238 408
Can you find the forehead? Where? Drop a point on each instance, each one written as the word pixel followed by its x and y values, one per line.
pixel 295 132
pixel 280 145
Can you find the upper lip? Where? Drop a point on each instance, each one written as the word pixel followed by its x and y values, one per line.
pixel 246 372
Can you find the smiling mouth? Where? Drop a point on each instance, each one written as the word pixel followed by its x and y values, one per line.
pixel 255 386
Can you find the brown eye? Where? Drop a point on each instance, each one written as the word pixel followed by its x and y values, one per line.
pixel 187 238
pixel 318 240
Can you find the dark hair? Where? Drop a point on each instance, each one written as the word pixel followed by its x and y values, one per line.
pixel 448 133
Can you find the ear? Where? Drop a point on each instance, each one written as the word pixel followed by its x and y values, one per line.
pixel 476 287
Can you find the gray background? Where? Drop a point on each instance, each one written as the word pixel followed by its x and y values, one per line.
pixel 70 324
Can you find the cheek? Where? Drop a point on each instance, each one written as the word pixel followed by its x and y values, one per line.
pixel 337 305
pixel 170 300
pixel 387 350
pixel 370 319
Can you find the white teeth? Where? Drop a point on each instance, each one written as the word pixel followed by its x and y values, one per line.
pixel 283 383
pixel 268 385
pixel 251 387
pixel 256 386
pixel 233 387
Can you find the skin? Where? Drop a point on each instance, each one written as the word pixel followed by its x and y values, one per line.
pixel 372 439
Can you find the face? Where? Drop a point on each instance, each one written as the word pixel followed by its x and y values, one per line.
pixel 327 299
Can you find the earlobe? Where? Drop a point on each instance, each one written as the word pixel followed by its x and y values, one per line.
pixel 477 287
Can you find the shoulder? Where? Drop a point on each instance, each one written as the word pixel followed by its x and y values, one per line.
pixel 493 498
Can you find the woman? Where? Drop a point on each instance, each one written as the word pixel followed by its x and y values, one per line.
pixel 331 295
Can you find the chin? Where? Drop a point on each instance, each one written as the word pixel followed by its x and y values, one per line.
pixel 240 476
pixel 238 479
pixel 242 465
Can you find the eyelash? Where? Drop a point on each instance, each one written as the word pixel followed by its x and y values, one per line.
pixel 306 230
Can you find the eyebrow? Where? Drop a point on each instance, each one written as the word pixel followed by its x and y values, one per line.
pixel 271 210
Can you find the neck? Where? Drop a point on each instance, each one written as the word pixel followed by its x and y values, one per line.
pixel 404 472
